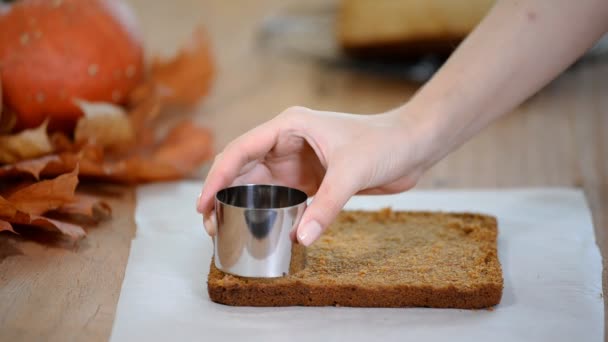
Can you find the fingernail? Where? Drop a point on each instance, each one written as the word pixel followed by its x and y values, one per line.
pixel 309 233
pixel 198 202
pixel 209 224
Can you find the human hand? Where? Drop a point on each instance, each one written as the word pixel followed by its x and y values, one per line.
pixel 336 155
pixel 326 154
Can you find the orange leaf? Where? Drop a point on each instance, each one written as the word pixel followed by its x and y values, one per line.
pixel 65 163
pixel 10 214
pixel 142 116
pixel 87 206
pixel 185 147
pixel 47 166
pixel 184 79
pixel 144 113
pixel 6 208
pixel 31 166
pixel 61 143
pixel 43 196
pixel 142 170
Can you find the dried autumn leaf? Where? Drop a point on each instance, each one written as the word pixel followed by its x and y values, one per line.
pixel 6 226
pixel 6 208
pixel 64 164
pixel 182 80
pixel 185 147
pixel 40 197
pixel 86 206
pixel 31 166
pixel 90 160
pixel 48 166
pixel 142 117
pixel 9 213
pixel 61 143
pixel 142 170
pixel 104 124
pixel 69 229
pixel 30 143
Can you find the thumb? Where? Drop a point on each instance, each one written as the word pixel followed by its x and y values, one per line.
pixel 334 192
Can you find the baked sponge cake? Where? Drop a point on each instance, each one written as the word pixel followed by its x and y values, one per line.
pixel 406 27
pixel 383 259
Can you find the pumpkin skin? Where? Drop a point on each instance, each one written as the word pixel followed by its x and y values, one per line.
pixel 55 51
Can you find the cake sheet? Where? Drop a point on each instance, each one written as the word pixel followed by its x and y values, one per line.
pixel 546 245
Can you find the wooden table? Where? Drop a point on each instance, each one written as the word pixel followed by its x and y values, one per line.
pixel 557 138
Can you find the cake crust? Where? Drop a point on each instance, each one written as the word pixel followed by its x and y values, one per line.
pixel 383 259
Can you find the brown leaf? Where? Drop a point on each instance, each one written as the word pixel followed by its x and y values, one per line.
pixel 6 208
pixel 86 206
pixel 10 214
pixel 182 80
pixel 142 117
pixel 30 143
pixel 6 226
pixel 186 147
pixel 47 166
pixel 105 125
pixel 46 195
pixel 141 170
pixel 66 163
pixel 31 166
pixel 35 166
pixel 71 230
pixel 61 143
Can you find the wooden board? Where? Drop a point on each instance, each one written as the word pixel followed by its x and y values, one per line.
pixel 66 292
pixel 557 138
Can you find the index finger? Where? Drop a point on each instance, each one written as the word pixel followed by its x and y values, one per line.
pixel 250 146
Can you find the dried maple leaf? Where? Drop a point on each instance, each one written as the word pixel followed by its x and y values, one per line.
pixel 30 143
pixel 10 214
pixel 185 147
pixel 90 160
pixel 69 229
pixel 142 170
pixel 86 206
pixel 47 166
pixel 105 125
pixel 31 166
pixel 67 155
pixel 6 208
pixel 142 117
pixel 41 197
pixel 182 80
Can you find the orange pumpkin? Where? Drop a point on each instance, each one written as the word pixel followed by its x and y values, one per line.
pixel 55 51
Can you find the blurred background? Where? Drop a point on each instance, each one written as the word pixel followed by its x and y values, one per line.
pixel 274 54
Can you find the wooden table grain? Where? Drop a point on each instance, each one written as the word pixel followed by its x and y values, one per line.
pixel 556 138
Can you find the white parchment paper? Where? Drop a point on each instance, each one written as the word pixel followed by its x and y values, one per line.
pixel 551 265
